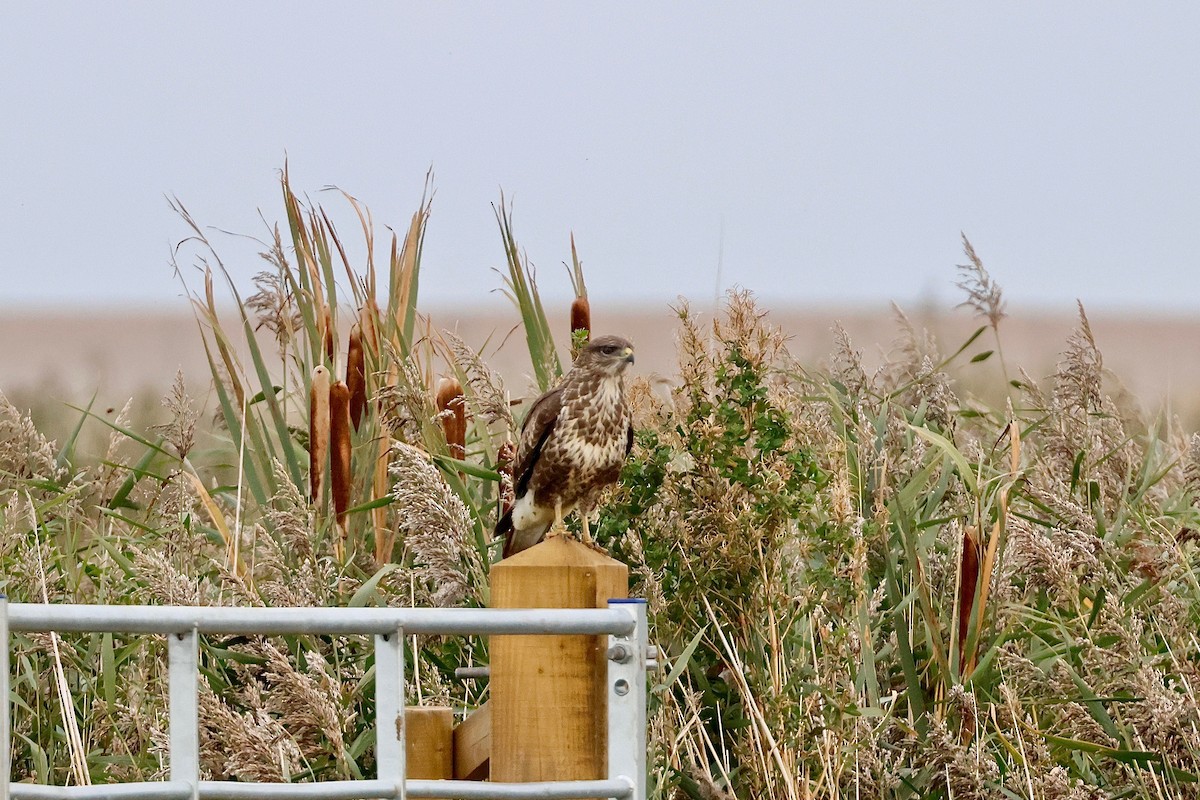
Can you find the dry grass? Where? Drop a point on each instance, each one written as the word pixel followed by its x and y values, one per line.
pixel 868 580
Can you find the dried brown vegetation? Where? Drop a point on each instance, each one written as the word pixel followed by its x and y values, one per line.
pixel 866 582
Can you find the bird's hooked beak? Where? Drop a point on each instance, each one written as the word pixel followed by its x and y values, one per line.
pixel 628 355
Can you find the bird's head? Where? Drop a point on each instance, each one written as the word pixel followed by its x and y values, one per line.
pixel 608 354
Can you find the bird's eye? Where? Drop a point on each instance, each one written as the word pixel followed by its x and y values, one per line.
pixel 608 350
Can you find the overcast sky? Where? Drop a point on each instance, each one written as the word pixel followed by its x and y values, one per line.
pixel 819 152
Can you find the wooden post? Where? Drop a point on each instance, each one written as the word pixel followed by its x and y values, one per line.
pixel 473 745
pixel 549 700
pixel 430 746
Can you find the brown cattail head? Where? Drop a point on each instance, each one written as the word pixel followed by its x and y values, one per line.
pixel 339 457
pixel 968 584
pixel 356 376
pixel 581 317
pixel 318 431
pixel 327 334
pixel 581 324
pixel 452 408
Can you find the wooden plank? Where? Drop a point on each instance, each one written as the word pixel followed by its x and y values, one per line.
pixel 430 745
pixel 473 745
pixel 549 700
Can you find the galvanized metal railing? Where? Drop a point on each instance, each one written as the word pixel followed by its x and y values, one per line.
pixel 624 621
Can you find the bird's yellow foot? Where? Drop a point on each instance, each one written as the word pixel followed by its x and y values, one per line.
pixel 557 528
pixel 586 539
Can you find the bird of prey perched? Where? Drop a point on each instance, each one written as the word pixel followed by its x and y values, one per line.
pixel 573 443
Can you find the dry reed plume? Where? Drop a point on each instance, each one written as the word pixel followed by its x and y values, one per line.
pixel 866 584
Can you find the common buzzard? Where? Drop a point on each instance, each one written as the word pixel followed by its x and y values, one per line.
pixel 573 443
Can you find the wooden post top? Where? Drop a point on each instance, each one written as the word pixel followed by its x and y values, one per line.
pixel 559 551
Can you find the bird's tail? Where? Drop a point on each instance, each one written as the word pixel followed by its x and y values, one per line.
pixel 504 528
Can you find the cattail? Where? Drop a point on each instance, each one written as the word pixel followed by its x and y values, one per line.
pixel 581 318
pixel 327 334
pixel 581 324
pixel 968 584
pixel 356 376
pixel 318 431
pixel 581 309
pixel 984 579
pixel 452 409
pixel 339 458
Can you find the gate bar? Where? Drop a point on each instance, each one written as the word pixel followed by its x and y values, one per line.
pixel 183 624
pixel 627 701
pixel 183 711
pixel 389 710
pixel 329 620
pixel 328 790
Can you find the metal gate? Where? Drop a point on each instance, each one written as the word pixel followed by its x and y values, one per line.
pixel 624 621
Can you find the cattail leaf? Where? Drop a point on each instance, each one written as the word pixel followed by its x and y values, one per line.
pixel 214 512
pixel 127 566
pixel 962 347
pixel 367 590
pixel 951 452
pixel 318 431
pixel 232 655
pixel 108 669
pixel 1095 707
pixel 156 446
pixel 1098 603
pixel 121 498
pixel 681 662
pixel 251 476
pixel 385 535
pixel 378 502
pixel 261 396
pixel 363 742
pixel 904 650
pixel 119 558
pixel 522 289
pixel 275 410
pixel 411 270
pixel 67 452
pixel 1146 759
pixel 474 470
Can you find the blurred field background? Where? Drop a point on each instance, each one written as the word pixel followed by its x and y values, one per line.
pixel 52 358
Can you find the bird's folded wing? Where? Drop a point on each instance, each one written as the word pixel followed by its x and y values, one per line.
pixel 536 430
